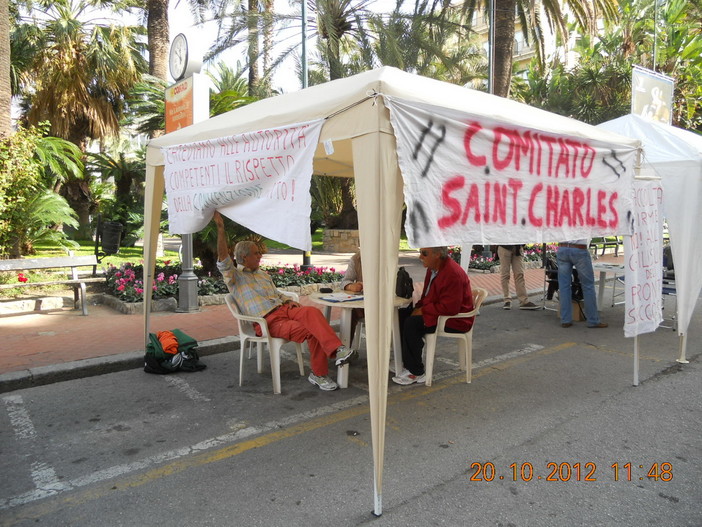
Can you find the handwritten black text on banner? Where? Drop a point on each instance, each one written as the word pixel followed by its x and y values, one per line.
pixel 472 178
pixel 259 179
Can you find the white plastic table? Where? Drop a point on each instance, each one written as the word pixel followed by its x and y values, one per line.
pixel 603 269
pixel 345 327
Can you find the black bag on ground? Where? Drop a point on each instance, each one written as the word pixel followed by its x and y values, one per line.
pixel 158 361
pixel 404 287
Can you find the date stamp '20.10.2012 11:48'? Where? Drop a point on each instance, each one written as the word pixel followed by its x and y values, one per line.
pixel 566 471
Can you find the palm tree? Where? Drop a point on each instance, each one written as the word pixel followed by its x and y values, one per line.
pixel 229 91
pixel 157 31
pixel 5 85
pixel 432 40
pixel 586 14
pixel 80 72
pixel 251 23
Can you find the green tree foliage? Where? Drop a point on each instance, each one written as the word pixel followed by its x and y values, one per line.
pixel 229 91
pixel 598 87
pixel 75 72
pixel 29 211
pixel 126 203
pixel 594 91
pixel 145 109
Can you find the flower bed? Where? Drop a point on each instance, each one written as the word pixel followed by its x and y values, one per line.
pixel 532 256
pixel 126 283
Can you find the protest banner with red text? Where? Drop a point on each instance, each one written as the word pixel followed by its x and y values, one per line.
pixel 472 178
pixel 260 180
pixel 643 271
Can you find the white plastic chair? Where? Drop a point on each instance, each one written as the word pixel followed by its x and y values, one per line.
pixel 247 335
pixel 465 340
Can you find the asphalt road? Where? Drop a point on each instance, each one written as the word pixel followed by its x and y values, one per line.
pixel 551 432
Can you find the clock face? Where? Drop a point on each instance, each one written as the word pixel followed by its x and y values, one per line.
pixel 178 60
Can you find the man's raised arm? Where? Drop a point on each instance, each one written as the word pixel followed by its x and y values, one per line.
pixel 222 247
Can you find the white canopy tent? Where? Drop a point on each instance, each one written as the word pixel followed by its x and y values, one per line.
pixel 675 155
pixel 357 125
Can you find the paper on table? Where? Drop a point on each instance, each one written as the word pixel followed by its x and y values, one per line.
pixel 341 297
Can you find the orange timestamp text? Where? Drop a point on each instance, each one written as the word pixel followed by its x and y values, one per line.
pixel 568 471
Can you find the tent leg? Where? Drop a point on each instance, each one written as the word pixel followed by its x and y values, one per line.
pixel 636 360
pixel 378 500
pixel 683 347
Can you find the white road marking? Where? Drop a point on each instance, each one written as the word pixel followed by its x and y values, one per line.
pixel 44 477
pixel 19 417
pixel 529 348
pixel 184 387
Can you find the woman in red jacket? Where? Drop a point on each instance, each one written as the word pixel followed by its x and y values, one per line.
pixel 446 292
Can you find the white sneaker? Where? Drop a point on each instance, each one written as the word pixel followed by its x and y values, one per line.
pixel 345 355
pixel 324 383
pixel 406 377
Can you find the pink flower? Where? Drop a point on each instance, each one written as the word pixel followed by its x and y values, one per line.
pixel 281 271
pixel 161 277
pixel 138 290
pixel 120 287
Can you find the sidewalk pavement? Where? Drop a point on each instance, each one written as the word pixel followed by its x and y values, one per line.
pixel 44 347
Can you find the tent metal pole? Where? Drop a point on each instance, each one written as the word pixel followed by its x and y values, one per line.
pixel 378 499
pixel 306 255
pixel 683 348
pixel 636 360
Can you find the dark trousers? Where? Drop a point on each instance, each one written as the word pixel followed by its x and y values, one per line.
pixel 413 331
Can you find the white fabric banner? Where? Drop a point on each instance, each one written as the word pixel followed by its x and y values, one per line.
pixel 260 180
pixel 471 178
pixel 643 274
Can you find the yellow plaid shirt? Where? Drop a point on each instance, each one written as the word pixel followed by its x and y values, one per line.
pixel 254 291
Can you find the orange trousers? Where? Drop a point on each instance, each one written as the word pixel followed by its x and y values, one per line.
pixel 306 323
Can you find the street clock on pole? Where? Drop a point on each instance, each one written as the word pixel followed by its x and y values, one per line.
pixel 183 60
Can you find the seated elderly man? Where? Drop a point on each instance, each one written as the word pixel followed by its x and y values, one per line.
pixel 446 292
pixel 256 295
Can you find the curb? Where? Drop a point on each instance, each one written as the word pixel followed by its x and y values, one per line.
pixel 67 371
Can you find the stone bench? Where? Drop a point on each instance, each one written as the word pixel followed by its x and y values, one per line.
pixel 68 263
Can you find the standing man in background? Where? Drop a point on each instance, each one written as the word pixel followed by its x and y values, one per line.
pixel 575 253
pixel 511 257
